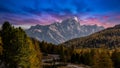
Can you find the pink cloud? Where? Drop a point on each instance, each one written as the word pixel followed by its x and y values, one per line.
pixel 93 21
pixel 46 19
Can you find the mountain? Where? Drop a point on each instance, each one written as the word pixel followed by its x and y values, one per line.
pixel 59 32
pixel 108 38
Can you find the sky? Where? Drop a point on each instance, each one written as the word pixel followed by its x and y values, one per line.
pixel 26 13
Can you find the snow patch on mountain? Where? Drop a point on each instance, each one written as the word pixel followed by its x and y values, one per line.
pixel 59 32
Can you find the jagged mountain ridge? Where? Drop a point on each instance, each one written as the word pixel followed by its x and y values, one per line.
pixel 107 38
pixel 59 32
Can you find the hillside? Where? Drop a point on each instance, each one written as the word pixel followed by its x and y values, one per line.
pixel 108 38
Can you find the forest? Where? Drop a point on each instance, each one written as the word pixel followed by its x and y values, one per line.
pixel 17 50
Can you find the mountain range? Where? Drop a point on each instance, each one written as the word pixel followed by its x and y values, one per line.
pixel 107 38
pixel 60 32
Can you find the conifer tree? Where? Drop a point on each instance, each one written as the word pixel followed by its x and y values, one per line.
pixel 19 49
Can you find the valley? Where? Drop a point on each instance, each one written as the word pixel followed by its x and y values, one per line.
pixel 98 50
pixel 59 33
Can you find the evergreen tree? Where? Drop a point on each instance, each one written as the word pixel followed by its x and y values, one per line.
pixel 19 50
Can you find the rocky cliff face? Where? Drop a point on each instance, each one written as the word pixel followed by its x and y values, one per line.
pixel 60 32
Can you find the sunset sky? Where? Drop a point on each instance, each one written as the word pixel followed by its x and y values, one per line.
pixel 31 12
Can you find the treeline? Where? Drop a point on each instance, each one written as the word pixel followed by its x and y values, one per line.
pixel 97 57
pixel 93 57
pixel 17 50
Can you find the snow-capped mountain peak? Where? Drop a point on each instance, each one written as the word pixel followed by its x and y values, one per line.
pixel 76 18
pixel 60 32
